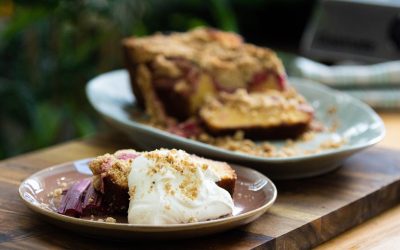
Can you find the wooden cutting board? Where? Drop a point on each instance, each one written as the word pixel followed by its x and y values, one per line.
pixel 306 213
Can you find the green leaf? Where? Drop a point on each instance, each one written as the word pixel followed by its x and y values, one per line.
pixel 22 18
pixel 224 15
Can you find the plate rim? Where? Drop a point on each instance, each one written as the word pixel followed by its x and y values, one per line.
pixel 144 227
pixel 243 156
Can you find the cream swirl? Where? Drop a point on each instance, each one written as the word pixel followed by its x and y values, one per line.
pixel 172 187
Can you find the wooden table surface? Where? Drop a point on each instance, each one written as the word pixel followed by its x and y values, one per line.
pixel 382 231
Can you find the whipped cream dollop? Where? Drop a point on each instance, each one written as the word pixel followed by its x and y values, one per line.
pixel 173 187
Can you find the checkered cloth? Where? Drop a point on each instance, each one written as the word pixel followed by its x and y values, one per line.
pixel 378 85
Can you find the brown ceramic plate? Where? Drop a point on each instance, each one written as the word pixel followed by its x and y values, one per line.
pixel 254 194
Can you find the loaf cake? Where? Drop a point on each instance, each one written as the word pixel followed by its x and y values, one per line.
pixel 172 74
pixel 271 114
pixel 110 177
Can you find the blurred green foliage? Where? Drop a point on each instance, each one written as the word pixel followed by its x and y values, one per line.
pixel 50 49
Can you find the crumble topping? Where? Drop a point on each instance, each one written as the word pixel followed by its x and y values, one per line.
pixel 246 110
pixel 168 189
pixel 182 164
pixel 245 101
pixel 216 51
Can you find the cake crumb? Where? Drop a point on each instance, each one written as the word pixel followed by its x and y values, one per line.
pixel 132 192
pixel 192 220
pixel 332 110
pixel 307 136
pixel 55 193
pixel 291 147
pixel 331 144
pixel 111 220
pixel 334 125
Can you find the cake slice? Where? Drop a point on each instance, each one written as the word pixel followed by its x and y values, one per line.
pixel 172 74
pixel 110 173
pixel 110 177
pixel 260 115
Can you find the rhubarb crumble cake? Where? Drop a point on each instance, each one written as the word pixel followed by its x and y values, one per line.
pixel 156 187
pixel 172 74
pixel 209 85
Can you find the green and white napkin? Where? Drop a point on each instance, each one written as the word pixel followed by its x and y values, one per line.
pixel 378 85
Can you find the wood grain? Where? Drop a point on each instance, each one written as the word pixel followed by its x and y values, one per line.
pixel 383 231
pixel 307 212
pixel 392 124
